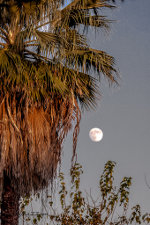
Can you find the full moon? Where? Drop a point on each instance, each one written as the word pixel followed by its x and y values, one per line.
pixel 96 134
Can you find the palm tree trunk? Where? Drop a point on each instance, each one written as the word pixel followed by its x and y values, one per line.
pixel 10 204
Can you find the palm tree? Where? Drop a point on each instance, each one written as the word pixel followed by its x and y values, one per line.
pixel 44 83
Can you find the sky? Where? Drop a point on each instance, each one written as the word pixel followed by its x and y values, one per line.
pixel 123 113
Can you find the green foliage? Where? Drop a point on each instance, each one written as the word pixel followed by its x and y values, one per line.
pixel 111 208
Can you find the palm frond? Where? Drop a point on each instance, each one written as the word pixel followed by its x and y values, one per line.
pixel 78 12
pixel 88 4
pixel 50 39
pixel 40 80
pixel 87 59
pixel 76 17
pixel 50 44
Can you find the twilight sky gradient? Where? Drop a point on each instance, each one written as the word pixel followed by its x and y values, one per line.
pixel 123 113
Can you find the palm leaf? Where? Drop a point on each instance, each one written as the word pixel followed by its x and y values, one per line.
pixel 87 59
pixel 76 17
pixel 88 4
pixel 78 12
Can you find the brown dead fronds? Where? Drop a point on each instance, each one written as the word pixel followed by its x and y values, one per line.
pixel 31 139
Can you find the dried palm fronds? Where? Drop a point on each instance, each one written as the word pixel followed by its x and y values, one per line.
pixel 31 139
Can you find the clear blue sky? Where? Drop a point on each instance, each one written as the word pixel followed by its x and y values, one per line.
pixel 123 113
